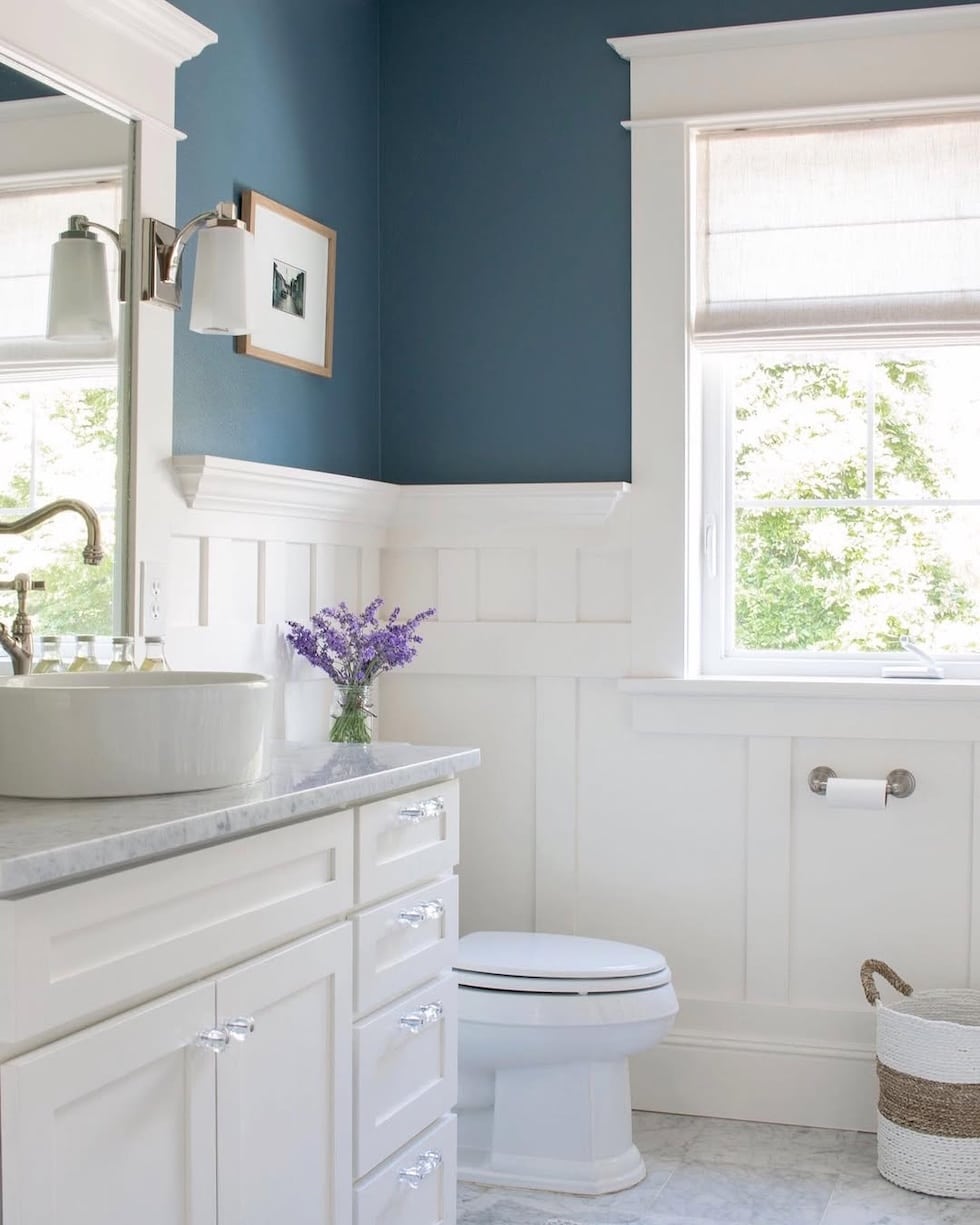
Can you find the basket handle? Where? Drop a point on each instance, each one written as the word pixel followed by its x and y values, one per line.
pixel 869 969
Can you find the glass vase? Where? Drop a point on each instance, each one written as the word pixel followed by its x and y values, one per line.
pixel 352 714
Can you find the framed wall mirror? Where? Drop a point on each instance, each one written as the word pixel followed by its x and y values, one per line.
pixel 116 59
pixel 64 402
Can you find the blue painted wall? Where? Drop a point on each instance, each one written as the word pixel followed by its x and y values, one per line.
pixel 287 104
pixel 505 230
pixel 503 307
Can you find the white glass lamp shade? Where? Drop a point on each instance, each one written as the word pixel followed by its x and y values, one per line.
pixel 78 292
pixel 222 280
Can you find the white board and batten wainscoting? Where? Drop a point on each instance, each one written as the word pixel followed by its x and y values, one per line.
pixel 670 813
pixel 674 814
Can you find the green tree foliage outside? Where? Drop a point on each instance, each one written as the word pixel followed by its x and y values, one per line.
pixel 847 579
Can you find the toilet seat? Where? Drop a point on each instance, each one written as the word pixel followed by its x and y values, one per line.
pixel 544 963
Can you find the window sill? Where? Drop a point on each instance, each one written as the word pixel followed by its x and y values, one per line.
pixel 832 707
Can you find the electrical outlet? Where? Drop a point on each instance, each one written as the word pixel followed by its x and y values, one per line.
pixel 153 590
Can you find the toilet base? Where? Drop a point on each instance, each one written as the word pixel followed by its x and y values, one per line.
pixel 562 1127
pixel 614 1174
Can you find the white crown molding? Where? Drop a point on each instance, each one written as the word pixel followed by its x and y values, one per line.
pixel 915 22
pixel 584 504
pixel 210 482
pixel 156 24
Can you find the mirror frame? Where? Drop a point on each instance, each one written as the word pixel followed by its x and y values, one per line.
pixel 121 57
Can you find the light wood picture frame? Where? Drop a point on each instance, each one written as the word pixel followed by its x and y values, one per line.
pixel 295 271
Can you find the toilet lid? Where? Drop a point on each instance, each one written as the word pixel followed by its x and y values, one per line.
pixel 542 955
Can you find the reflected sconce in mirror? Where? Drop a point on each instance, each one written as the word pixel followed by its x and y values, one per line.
pixel 78 295
pixel 222 275
pixel 78 292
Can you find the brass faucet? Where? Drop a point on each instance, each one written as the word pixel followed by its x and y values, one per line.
pixel 18 642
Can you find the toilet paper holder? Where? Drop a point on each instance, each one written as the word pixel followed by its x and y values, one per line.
pixel 898 783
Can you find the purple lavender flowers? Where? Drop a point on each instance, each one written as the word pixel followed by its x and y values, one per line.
pixel 355 648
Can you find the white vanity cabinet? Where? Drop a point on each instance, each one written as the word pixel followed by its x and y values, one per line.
pixel 257 1032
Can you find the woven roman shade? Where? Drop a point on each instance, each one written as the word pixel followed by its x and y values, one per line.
pixel 844 233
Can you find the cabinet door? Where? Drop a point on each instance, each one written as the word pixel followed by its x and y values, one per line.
pixel 284 1091
pixel 114 1125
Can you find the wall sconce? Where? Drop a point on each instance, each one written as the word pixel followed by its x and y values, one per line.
pixel 78 292
pixel 222 276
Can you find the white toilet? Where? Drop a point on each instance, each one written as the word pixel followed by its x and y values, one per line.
pixel 546 1025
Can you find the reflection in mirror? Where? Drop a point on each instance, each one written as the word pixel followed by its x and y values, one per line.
pixel 63 404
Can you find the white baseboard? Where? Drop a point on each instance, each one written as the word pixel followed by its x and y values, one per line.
pixel 767 1082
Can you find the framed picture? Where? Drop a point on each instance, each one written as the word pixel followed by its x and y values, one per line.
pixel 295 267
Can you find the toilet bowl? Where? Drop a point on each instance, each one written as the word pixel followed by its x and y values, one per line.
pixel 546 1025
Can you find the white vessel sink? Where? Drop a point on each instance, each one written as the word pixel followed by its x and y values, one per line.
pixel 83 735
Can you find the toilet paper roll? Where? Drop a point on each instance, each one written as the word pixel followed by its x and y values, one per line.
pixel 865 793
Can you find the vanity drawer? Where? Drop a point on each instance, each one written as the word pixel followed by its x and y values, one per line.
pixel 406 839
pixel 404 1070
pixel 402 943
pixel 417 1186
pixel 83 952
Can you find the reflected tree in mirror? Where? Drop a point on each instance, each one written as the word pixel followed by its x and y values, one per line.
pixel 58 437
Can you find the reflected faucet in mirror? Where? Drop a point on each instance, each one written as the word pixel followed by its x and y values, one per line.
pixel 18 641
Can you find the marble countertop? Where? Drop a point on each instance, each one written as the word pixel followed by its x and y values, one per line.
pixel 46 843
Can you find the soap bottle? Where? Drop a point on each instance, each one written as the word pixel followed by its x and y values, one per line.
pixel 85 660
pixel 154 660
pixel 122 655
pixel 50 660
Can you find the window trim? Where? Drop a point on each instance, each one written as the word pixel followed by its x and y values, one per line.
pixel 780 72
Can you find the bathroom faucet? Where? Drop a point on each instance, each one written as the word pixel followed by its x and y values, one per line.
pixel 18 641
pixel 92 553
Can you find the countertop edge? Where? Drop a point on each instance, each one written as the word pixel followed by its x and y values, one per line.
pixel 32 872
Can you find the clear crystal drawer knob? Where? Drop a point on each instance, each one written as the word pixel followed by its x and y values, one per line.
pixel 415 916
pixel 425 1164
pixel 239 1028
pixel 424 810
pixel 421 1018
pixel 215 1040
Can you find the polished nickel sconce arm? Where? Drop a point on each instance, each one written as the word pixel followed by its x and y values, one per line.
pixel 79 226
pixel 163 247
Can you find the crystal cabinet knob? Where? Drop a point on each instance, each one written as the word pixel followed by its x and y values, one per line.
pixel 215 1040
pixel 424 810
pixel 425 1164
pixel 239 1028
pixel 421 1018
pixel 415 916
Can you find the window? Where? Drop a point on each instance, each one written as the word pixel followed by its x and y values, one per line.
pixel 59 434
pixel 836 325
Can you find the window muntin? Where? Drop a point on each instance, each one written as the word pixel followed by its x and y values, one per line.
pixel 848 505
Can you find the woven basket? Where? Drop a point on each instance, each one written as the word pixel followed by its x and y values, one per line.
pixel 929 1086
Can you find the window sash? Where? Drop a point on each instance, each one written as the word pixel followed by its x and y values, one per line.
pixel 718 655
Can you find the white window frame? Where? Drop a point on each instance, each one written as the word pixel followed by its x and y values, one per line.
pixel 788 72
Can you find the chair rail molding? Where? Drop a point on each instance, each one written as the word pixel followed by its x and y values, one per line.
pixel 481 512
pixel 210 482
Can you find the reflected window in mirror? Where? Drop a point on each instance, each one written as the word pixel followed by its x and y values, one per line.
pixel 62 404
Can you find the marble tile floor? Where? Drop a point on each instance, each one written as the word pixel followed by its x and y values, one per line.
pixel 718 1172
